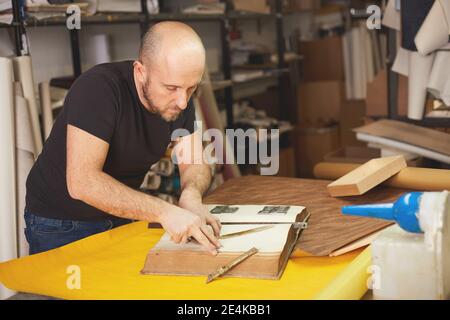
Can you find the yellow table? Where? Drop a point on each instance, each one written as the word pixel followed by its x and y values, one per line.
pixel 110 264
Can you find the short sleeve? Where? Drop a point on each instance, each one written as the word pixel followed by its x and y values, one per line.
pixel 92 105
pixel 189 117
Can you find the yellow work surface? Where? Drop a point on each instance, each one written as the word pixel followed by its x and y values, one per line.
pixel 110 264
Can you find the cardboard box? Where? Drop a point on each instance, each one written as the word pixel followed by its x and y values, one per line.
pixel 267 101
pixel 311 146
pixel 353 155
pixel 319 102
pixel 287 163
pixel 300 5
pixel 352 114
pixel 377 98
pixel 323 59
pixel 259 6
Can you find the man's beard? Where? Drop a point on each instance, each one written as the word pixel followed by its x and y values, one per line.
pixel 154 109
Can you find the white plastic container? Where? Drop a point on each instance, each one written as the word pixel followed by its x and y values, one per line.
pixel 415 265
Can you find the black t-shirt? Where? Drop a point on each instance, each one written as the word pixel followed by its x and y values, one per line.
pixel 103 102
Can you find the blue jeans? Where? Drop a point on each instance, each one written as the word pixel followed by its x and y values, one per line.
pixel 45 234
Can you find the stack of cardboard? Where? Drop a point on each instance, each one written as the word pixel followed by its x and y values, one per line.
pixel 320 98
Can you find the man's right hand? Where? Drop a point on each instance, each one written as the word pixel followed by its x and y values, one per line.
pixel 182 224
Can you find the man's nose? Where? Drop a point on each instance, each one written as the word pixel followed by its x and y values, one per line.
pixel 182 99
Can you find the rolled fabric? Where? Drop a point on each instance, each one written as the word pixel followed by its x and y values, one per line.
pixel 8 237
pixel 24 74
pixel 419 72
pixel 25 159
pixel 46 107
pixel 352 282
pixel 435 30
pixel 425 179
pixel 333 170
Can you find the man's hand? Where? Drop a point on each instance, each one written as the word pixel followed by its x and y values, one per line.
pixel 190 200
pixel 182 224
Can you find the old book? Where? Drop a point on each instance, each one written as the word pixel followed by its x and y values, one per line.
pixel 274 244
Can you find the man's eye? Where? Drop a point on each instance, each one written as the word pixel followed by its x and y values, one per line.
pixel 171 88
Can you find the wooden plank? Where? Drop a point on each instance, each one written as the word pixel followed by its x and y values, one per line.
pixel 421 137
pixel 328 229
pixel 367 176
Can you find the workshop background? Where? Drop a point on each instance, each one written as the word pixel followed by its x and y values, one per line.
pixel 315 70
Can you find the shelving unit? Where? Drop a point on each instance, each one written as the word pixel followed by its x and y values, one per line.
pixel 144 19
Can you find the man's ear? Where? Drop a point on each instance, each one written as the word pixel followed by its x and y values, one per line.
pixel 141 71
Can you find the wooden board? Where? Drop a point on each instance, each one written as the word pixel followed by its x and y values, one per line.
pixel 425 138
pixel 404 146
pixel 366 176
pixel 328 229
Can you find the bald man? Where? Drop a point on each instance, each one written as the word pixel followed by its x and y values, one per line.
pixel 116 122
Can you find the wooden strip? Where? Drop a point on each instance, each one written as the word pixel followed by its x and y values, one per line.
pixel 356 244
pixel 367 176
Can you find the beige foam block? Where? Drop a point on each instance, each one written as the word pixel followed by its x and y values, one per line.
pixel 367 176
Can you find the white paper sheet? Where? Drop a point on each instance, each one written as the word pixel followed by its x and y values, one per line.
pixel 270 240
pixel 8 238
pixel 435 30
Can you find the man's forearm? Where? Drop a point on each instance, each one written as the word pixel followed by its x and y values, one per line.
pixel 102 191
pixel 196 179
